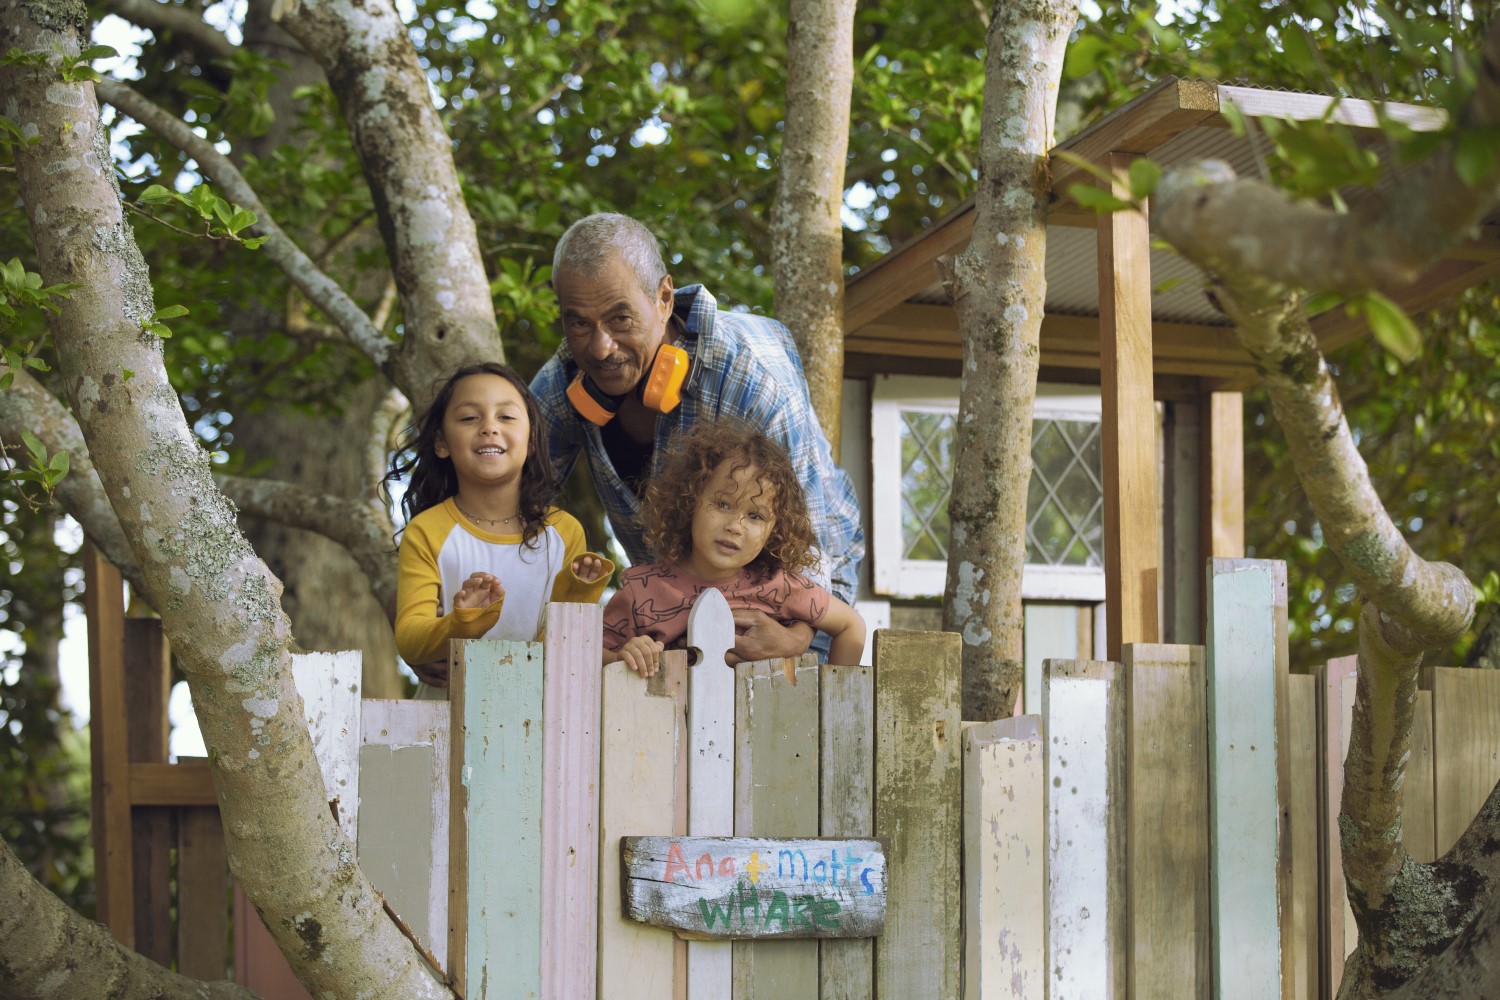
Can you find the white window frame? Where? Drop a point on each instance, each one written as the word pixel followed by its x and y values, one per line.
pixel 895 576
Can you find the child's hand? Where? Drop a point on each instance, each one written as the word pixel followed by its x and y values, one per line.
pixel 642 654
pixel 480 590
pixel 588 567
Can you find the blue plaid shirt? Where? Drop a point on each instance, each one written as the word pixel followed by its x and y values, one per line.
pixel 745 367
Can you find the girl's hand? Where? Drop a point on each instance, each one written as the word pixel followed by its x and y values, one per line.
pixel 642 654
pixel 588 567
pixel 480 590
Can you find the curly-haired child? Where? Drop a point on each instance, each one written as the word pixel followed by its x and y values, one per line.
pixel 725 511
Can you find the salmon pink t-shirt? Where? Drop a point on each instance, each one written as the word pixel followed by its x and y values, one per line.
pixel 654 599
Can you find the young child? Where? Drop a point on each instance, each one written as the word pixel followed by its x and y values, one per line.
pixel 725 511
pixel 483 551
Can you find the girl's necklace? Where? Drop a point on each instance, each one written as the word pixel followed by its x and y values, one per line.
pixel 486 520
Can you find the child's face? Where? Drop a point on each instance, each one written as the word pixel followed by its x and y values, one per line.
pixel 733 522
pixel 485 430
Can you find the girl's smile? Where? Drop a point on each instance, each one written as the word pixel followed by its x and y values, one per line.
pixel 485 430
pixel 733 523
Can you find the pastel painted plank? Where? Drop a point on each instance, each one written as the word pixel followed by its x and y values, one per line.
pixel 640 736
pixel 1247 802
pixel 756 888
pixel 1084 712
pixel 1333 726
pixel 1302 747
pixel 776 794
pixel 330 685
pixel 570 800
pixel 710 769
pixel 919 813
pixel 495 843
pixel 847 809
pixel 1167 774
pixel 403 804
pixel 1005 880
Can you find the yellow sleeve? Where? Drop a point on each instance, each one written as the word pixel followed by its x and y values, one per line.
pixel 421 633
pixel 566 587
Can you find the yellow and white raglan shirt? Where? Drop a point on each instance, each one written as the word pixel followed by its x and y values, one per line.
pixel 441 548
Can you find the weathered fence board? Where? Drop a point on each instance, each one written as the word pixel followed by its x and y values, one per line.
pixel 1418 818
pixel 202 887
pixel 495 864
pixel 1302 747
pixel 776 795
pixel 570 800
pixel 1167 775
pixel 147 683
pixel 640 733
pixel 1005 879
pixel 918 812
pixel 404 801
pixel 1335 682
pixel 710 768
pixel 847 809
pixel 109 755
pixel 331 685
pixel 1466 746
pixel 742 888
pixel 1083 709
pixel 1247 799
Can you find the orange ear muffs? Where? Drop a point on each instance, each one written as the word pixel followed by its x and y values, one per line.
pixel 661 392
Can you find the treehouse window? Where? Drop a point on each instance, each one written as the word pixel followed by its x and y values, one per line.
pixel 913 420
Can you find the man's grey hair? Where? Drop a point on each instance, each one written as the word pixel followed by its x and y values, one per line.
pixel 595 240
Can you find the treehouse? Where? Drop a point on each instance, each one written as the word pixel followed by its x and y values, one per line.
pixel 1138 438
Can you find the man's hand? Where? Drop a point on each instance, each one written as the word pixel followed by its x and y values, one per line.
pixel 588 567
pixel 758 636
pixel 434 673
pixel 480 590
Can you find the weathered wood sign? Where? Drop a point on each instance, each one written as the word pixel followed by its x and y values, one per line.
pixel 749 887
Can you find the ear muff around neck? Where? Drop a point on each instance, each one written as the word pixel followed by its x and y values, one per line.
pixel 660 390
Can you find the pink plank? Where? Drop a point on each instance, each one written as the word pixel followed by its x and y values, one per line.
pixel 570 801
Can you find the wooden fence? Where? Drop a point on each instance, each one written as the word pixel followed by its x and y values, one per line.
pixel 1161 829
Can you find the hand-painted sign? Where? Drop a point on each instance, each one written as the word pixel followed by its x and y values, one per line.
pixel 747 887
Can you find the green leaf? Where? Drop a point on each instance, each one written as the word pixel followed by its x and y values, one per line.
pixel 1393 329
pixel 241 218
pixel 37 364
pixel 59 464
pixel 160 329
pixel 1098 199
pixel 33 445
pixel 170 312
pixel 1144 176
pixel 1474 159
pixel 97 52
pixel 156 194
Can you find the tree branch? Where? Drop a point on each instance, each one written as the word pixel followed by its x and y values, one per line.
pixel 52 952
pixel 180 21
pixel 360 527
pixel 1233 226
pixel 281 248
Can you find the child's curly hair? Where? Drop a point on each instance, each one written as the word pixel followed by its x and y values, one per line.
pixel 675 493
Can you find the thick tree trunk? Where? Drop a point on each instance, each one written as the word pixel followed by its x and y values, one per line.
pixel 807 233
pixel 218 602
pixel 998 286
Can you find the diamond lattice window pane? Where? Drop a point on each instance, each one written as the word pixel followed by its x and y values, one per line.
pixel 1052 532
pixel 926 483
pixel 1077 492
pixel 1050 453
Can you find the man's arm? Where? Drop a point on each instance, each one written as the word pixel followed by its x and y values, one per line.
pixel 761 637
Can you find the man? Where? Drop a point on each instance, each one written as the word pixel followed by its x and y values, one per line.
pixel 607 394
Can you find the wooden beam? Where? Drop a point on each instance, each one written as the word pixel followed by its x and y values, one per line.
pixel 148 668
pixel 104 604
pixel 906 270
pixel 1253 102
pixel 172 785
pixel 1132 531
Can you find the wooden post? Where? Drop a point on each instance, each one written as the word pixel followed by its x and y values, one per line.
pixel 1084 714
pixel 404 763
pixel 1132 533
pixel 711 751
pixel 847 728
pixel 202 891
pixel 639 794
pixel 495 857
pixel 1182 523
pixel 148 668
pixel 109 750
pixel 1247 734
pixel 1334 711
pixel 1222 438
pixel 776 795
pixel 570 800
pixel 1005 879
pixel 1302 745
pixel 918 812
pixel 1167 763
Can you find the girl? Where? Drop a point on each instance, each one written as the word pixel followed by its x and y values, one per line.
pixel 725 511
pixel 483 551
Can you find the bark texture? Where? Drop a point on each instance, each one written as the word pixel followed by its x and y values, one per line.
pixel 48 952
pixel 807 233
pixel 998 287
pixel 368 57
pixel 1417 922
pixel 217 600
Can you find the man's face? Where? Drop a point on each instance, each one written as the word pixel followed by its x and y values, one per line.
pixel 613 327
